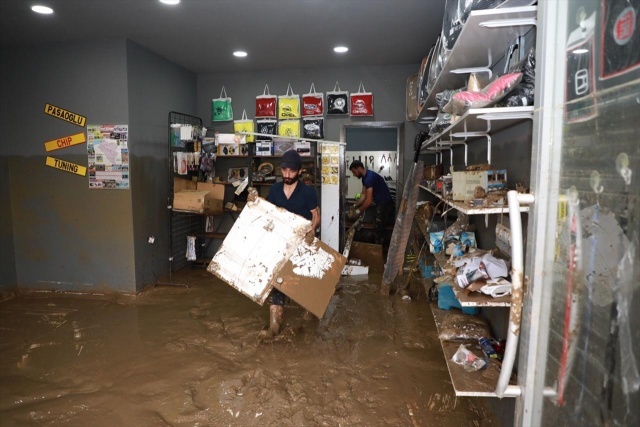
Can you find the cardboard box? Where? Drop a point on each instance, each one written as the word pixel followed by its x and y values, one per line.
pixel 186 199
pixel 233 150
pixel 280 146
pixel 180 184
pixel 264 148
pixel 465 183
pixel 201 202
pixel 302 147
pixel 432 172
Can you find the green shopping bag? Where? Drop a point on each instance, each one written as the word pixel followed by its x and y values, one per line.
pixel 221 108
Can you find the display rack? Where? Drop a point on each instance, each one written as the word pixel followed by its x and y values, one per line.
pixel 494 29
pixel 181 224
pixel 478 123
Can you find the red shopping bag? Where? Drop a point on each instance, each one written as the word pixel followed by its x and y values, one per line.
pixel 361 102
pixel 266 104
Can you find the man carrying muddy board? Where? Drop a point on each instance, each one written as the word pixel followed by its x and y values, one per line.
pixel 296 197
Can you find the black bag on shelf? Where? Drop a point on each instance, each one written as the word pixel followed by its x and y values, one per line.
pixel 456 13
pixel 442 121
pixel 523 94
pixel 313 127
pixel 267 127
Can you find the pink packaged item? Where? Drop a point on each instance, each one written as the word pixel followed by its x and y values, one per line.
pixel 490 95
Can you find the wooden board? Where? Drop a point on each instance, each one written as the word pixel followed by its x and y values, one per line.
pixel 479 383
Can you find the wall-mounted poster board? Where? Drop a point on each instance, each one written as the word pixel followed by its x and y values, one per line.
pixel 108 150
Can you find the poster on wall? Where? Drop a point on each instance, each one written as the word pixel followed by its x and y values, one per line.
pixel 330 162
pixel 108 150
pixel 383 163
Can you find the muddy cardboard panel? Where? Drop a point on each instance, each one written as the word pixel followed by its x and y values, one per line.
pixel 260 242
pixel 309 277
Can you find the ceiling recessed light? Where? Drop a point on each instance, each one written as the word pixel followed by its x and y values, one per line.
pixel 240 53
pixel 171 2
pixel 42 9
pixel 579 51
pixel 340 49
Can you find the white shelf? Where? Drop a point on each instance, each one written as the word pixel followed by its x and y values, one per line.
pixel 482 41
pixel 473 299
pixel 478 299
pixel 479 383
pixel 478 122
pixel 466 208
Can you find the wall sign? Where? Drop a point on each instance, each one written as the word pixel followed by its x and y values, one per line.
pixel 65 115
pixel 108 151
pixel 66 166
pixel 65 141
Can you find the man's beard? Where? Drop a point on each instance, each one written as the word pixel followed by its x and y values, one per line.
pixel 290 181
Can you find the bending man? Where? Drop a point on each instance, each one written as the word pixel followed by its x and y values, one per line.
pixel 374 192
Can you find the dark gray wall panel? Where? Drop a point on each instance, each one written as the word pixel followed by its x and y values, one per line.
pixel 66 236
pixel 388 84
pixel 156 87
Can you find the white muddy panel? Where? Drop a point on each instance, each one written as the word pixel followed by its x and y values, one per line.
pixel 262 239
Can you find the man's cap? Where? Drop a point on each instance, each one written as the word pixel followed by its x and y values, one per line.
pixel 291 160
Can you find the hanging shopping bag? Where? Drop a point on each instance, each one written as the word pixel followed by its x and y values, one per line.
pixel 289 128
pixel 312 103
pixel 221 108
pixel 313 127
pixel 266 104
pixel 266 127
pixel 337 101
pixel 289 105
pixel 244 125
pixel 361 102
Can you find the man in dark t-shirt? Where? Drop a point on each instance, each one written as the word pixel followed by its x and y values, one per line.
pixel 296 197
pixel 374 192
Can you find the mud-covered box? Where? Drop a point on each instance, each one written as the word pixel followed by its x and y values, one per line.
pixel 266 249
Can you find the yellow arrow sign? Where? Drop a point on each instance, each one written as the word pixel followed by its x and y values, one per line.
pixel 66 166
pixel 65 141
pixel 65 115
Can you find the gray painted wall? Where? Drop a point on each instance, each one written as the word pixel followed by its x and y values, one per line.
pixel 387 83
pixel 66 236
pixel 155 87
pixel 371 139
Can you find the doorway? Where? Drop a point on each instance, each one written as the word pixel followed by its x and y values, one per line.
pixel 379 146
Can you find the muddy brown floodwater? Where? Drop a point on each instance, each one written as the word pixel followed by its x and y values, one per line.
pixel 177 356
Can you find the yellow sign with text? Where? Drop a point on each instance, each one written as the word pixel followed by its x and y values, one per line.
pixel 65 141
pixel 65 115
pixel 66 166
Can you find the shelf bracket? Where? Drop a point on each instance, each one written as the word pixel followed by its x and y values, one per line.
pixel 516 22
pixel 469 70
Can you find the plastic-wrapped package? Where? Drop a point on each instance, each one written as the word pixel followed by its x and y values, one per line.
pixel 460 225
pixel 456 13
pixel 423 78
pixel 523 94
pixel 492 94
pixel 468 360
pixel 442 121
pixel 435 65
pixel 443 98
pixel 462 327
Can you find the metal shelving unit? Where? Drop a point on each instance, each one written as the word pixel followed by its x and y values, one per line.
pixel 466 208
pixel 181 224
pixel 495 28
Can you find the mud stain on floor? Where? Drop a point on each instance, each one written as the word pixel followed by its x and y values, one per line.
pixel 177 356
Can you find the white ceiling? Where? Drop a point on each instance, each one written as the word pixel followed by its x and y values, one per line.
pixel 200 35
